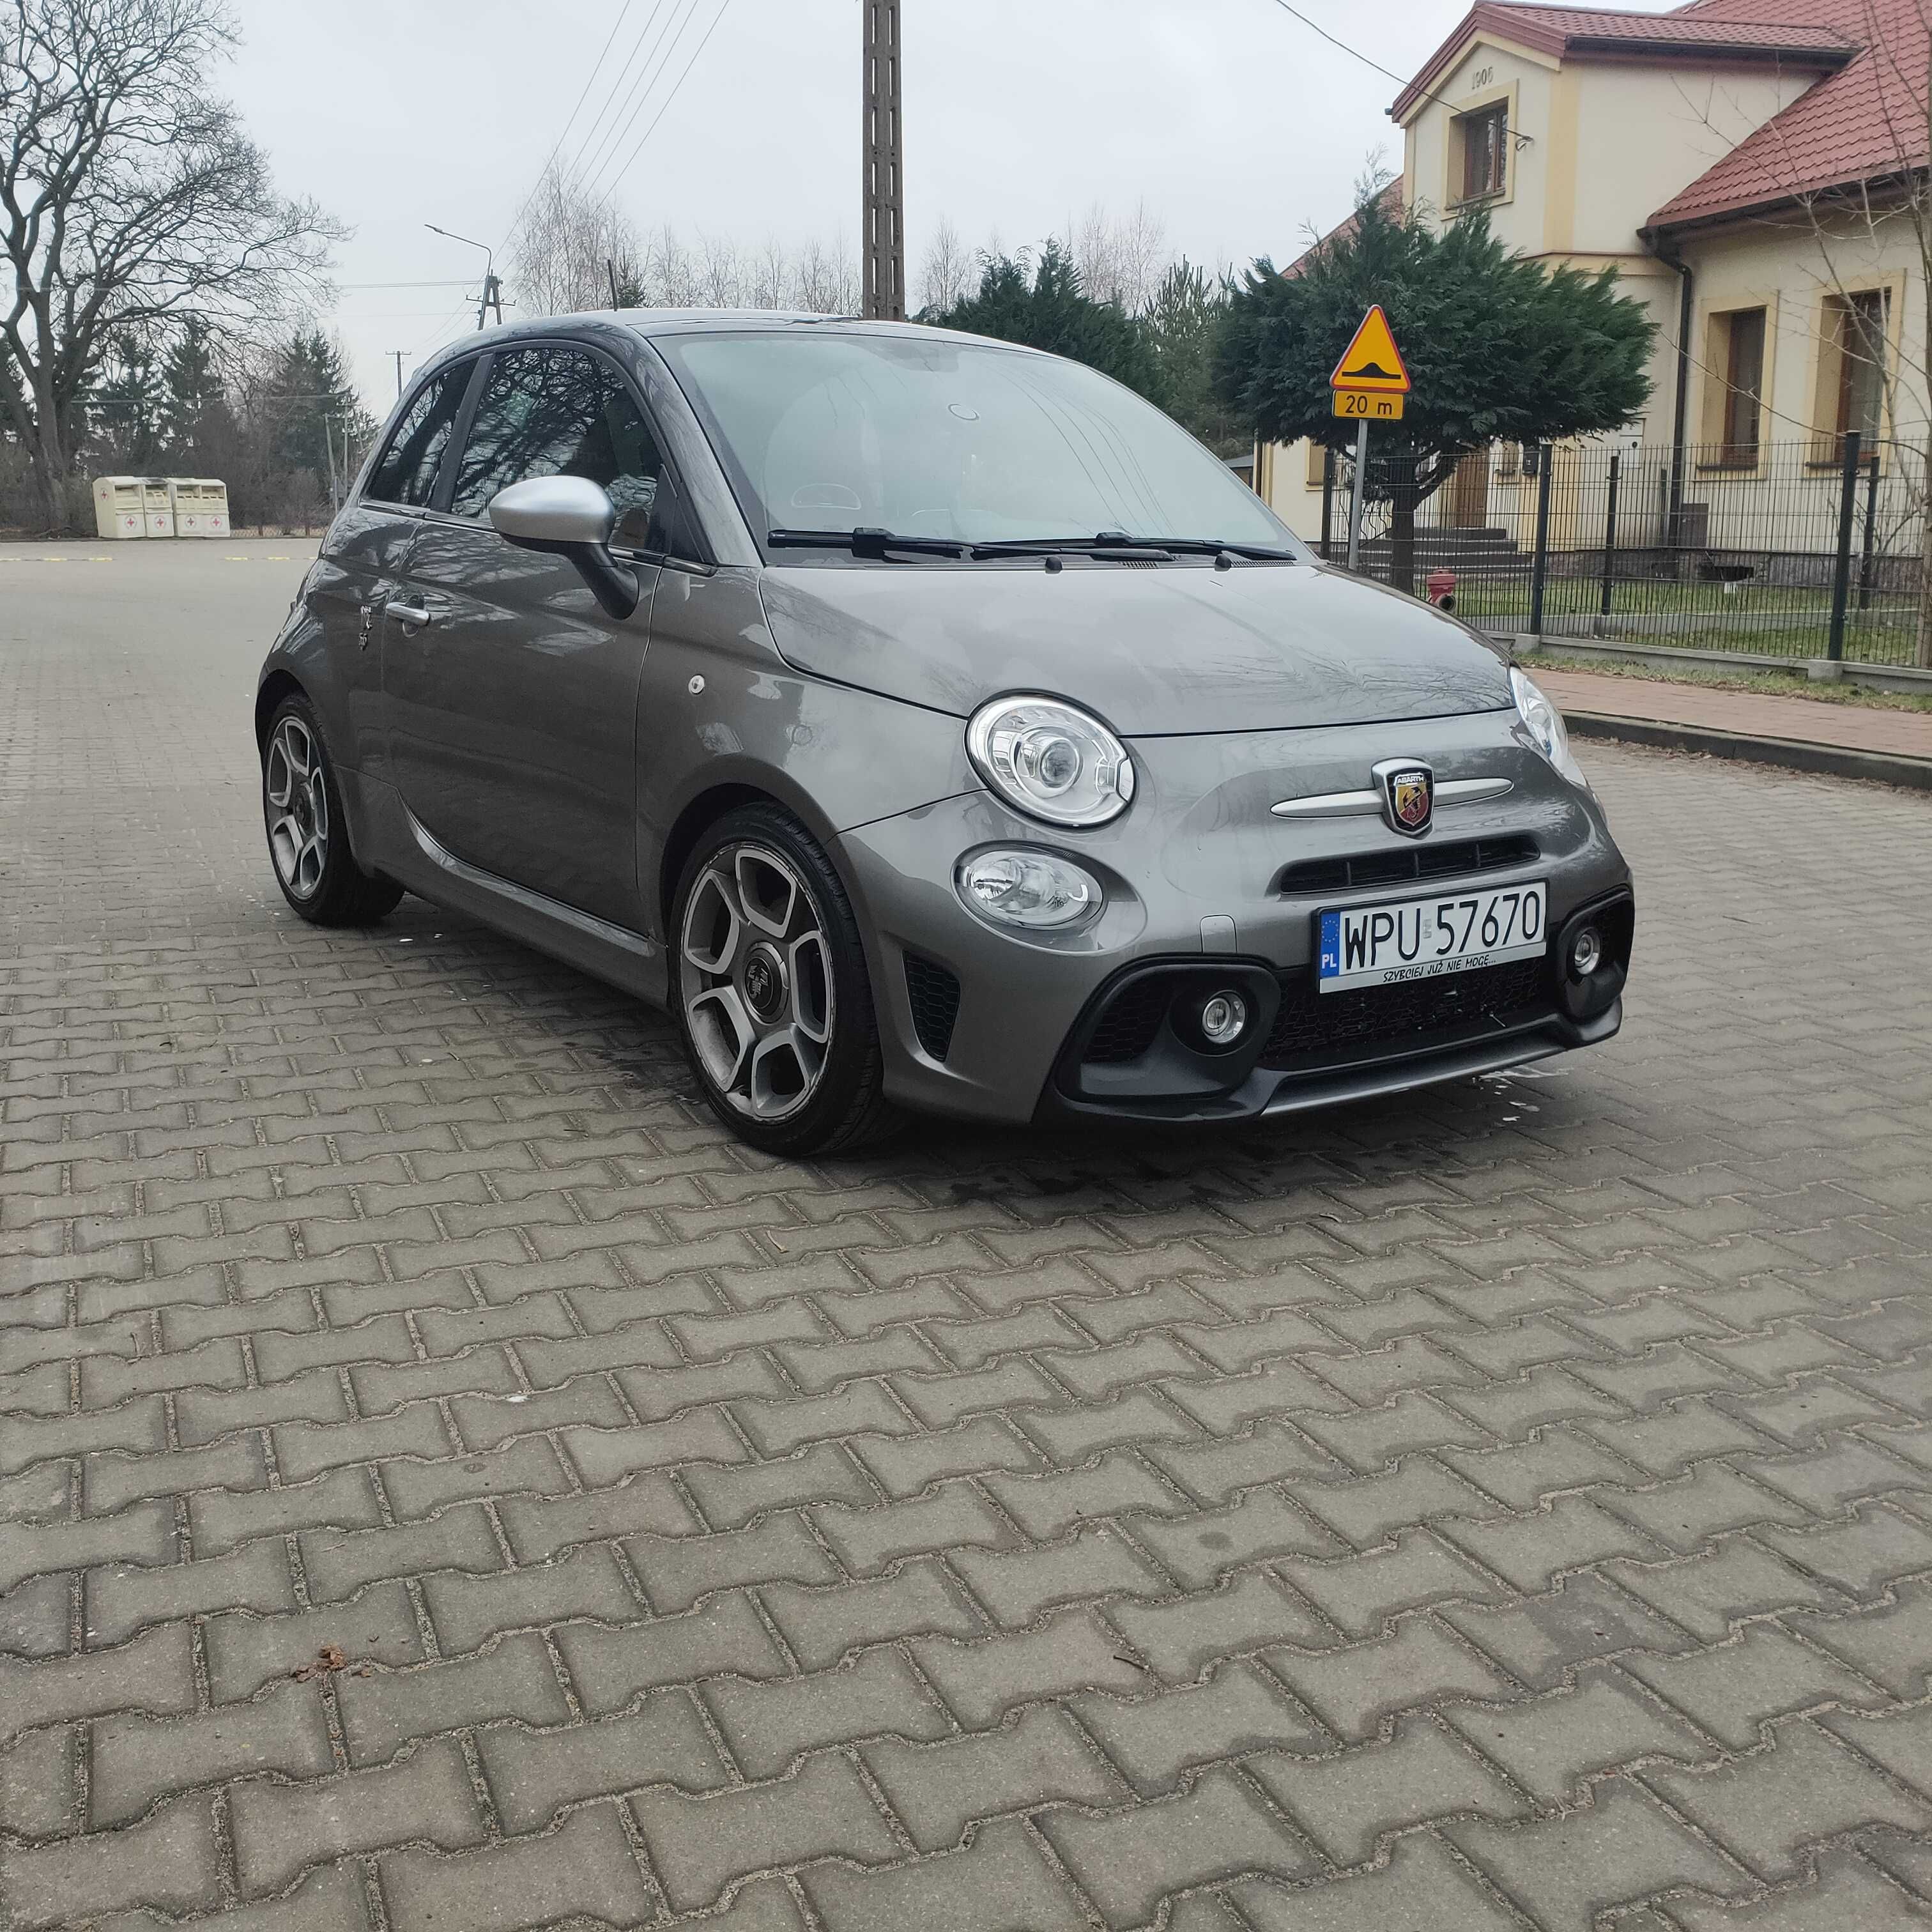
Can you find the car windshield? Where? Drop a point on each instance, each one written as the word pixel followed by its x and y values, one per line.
pixel 948 438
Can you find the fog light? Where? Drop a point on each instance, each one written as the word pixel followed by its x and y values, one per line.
pixel 1224 1017
pixel 1586 952
pixel 1038 892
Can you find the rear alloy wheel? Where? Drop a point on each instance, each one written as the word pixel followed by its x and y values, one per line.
pixel 308 836
pixel 772 993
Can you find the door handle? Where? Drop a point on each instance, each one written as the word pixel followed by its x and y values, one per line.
pixel 414 615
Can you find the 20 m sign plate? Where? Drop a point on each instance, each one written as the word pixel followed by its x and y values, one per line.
pixel 1423 939
pixel 1367 406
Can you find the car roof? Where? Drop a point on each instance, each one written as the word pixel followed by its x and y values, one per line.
pixel 658 323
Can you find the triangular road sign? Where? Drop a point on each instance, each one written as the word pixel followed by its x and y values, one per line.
pixel 1372 360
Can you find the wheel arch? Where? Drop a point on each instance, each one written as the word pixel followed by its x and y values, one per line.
pixel 681 840
pixel 278 684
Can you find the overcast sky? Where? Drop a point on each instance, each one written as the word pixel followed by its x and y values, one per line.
pixel 1237 124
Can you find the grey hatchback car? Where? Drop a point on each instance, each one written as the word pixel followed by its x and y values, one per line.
pixel 926 722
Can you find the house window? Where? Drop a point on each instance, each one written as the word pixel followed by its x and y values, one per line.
pixel 1855 332
pixel 1317 464
pixel 1485 139
pixel 1743 383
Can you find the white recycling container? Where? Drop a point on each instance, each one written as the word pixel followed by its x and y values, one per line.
pixel 200 504
pixel 158 506
pixel 120 507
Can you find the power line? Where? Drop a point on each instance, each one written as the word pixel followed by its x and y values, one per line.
pixel 723 8
pixel 641 68
pixel 657 64
pixel 589 81
pixel 1401 80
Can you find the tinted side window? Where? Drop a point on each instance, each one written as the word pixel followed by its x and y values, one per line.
pixel 406 471
pixel 559 412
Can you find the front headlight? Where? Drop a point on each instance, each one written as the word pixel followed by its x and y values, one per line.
pixel 1544 723
pixel 1050 761
pixel 1037 892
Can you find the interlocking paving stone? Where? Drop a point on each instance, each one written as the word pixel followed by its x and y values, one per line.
pixel 1219 1829
pixel 532 1774
pixel 1550 1744
pixel 1002 1880
pixel 585 1867
pixel 1423 1888
pixel 280 1829
pixel 1804 1787
pixel 1052 1530
pixel 699 1845
pixel 1343 1802
pixel 1625 1846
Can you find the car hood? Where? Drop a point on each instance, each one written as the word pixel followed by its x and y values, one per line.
pixel 1153 651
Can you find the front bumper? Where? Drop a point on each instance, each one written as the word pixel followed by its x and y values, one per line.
pixel 1202 884
pixel 1133 1056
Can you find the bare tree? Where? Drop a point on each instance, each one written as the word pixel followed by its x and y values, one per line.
pixel 770 274
pixel 130 199
pixel 567 242
pixel 945 273
pixel 1120 262
pixel 673 274
pixel 825 281
pixel 720 271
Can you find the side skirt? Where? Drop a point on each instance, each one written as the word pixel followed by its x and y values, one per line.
pixel 410 854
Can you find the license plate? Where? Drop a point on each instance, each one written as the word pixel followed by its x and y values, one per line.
pixel 1423 939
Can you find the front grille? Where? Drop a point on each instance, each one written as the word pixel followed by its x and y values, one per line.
pixel 1452 858
pixel 933 991
pixel 1127 1028
pixel 1314 1029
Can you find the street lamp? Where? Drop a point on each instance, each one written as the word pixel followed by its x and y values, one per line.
pixel 493 294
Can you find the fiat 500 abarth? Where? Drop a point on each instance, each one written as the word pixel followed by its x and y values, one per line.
pixel 925 721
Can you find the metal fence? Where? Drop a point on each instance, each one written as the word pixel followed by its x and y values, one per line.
pixel 1791 550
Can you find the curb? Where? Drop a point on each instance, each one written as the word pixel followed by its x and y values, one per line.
pixel 1791 754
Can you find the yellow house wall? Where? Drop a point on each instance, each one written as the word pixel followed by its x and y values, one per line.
pixel 1790 268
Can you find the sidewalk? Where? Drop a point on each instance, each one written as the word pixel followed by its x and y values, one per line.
pixel 1844 740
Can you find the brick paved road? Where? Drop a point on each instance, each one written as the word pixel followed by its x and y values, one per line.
pixel 447 1484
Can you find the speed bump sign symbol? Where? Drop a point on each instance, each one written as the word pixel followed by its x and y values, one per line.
pixel 1371 361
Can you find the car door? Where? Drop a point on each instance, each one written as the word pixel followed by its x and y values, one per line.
pixel 512 702
pixel 364 556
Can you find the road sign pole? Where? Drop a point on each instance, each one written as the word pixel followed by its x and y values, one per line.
pixel 1355 495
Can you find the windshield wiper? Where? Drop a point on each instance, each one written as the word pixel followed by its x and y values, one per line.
pixel 1132 550
pixel 872 543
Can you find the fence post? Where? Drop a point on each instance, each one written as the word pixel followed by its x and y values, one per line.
pixel 1871 520
pixel 1610 527
pixel 1539 564
pixel 1841 573
pixel 1328 498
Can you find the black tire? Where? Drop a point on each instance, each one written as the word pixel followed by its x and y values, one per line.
pixel 846 1108
pixel 318 875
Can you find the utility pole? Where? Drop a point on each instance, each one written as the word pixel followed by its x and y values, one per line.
pixel 398 354
pixel 882 238
pixel 611 269
pixel 492 289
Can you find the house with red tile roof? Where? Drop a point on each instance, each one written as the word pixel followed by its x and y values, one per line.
pixel 1749 169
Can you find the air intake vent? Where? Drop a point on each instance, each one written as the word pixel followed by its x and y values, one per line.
pixel 934 992
pixel 1451 859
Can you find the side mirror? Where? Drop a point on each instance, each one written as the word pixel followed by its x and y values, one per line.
pixel 572 517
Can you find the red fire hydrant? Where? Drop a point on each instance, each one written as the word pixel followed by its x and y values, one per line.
pixel 1441 585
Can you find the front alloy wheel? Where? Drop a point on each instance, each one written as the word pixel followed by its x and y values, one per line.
pixel 757 985
pixel 772 993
